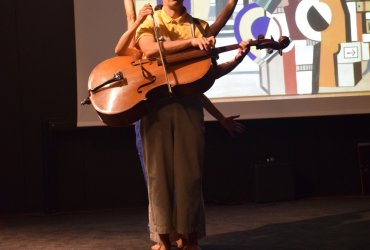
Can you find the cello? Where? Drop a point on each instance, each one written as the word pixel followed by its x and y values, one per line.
pixel 122 88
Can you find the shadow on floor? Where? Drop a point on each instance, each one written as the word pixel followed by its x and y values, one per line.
pixel 324 223
pixel 344 231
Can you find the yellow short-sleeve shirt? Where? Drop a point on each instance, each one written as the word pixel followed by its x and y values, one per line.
pixel 171 29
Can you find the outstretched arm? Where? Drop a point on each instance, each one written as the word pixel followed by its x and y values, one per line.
pixel 228 123
pixel 223 17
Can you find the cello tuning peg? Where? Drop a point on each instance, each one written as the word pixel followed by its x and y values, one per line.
pixel 284 41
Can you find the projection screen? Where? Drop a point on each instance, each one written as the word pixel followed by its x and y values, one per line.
pixel 324 71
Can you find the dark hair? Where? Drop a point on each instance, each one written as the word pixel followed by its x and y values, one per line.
pixel 158 7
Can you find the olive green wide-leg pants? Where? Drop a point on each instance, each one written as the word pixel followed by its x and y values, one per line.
pixel 173 148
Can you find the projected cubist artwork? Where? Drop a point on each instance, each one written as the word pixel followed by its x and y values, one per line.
pixel 329 52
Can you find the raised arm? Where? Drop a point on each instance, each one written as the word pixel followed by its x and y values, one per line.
pixel 127 39
pixel 223 17
pixel 215 28
pixel 130 12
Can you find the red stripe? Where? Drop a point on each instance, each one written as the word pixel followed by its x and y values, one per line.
pixel 290 75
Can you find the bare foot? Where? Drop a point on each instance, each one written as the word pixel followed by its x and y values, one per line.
pixel 160 246
pixel 156 247
pixel 180 243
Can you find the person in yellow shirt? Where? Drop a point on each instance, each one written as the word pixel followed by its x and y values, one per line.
pixel 172 133
pixel 125 46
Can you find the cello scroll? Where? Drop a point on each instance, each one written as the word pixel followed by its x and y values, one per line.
pixel 271 44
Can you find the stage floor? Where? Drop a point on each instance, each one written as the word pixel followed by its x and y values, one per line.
pixel 340 222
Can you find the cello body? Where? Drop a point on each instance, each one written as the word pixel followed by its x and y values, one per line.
pixel 144 82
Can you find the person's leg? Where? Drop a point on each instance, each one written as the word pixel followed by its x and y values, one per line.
pixel 174 237
pixel 153 236
pixel 157 147
pixel 139 148
pixel 157 140
pixel 189 214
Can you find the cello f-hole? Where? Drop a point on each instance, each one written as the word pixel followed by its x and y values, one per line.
pixel 153 78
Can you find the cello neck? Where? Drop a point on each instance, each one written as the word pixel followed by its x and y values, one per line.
pixel 260 43
pixel 194 54
pixel 226 48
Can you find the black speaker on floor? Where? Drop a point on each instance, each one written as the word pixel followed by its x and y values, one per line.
pixel 274 182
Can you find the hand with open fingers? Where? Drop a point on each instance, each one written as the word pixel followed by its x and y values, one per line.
pixel 146 10
pixel 244 48
pixel 233 127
